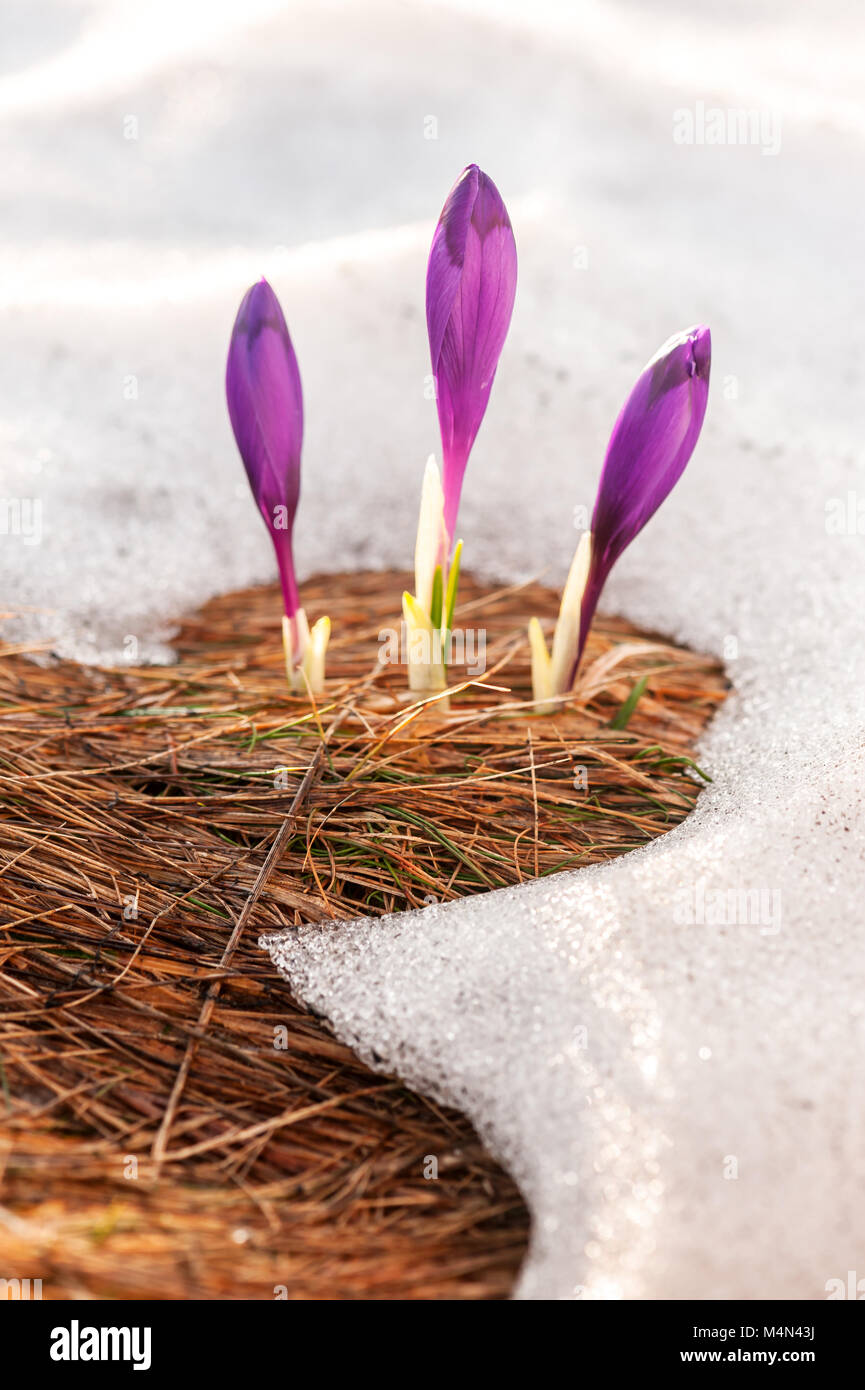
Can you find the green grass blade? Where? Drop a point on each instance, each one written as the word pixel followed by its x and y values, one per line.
pixel 620 719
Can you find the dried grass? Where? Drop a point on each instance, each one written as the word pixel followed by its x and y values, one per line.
pixel 148 838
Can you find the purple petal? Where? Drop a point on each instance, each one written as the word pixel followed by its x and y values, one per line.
pixel 470 288
pixel 265 405
pixel 649 448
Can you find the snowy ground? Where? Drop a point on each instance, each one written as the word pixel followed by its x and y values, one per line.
pixel 680 1099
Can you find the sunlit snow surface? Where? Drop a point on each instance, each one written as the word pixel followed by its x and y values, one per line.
pixel 680 1102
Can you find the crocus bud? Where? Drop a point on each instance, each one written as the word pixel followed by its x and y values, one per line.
pixel 650 446
pixel 265 405
pixel 652 441
pixel 470 288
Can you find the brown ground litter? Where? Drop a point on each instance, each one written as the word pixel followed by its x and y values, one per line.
pixel 172 1123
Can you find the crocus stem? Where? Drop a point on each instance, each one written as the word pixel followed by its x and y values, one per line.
pixel 305 652
pixel 295 636
pixel 552 674
pixel 566 641
pixel 426 669
pixel 430 550
pixel 425 610
pixel 542 682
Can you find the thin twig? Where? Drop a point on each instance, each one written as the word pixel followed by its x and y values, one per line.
pixel 158 1151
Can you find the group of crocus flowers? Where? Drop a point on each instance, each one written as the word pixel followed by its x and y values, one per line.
pixel 470 290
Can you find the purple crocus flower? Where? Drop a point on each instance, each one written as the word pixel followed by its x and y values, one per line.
pixel 651 443
pixel 470 287
pixel 265 404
